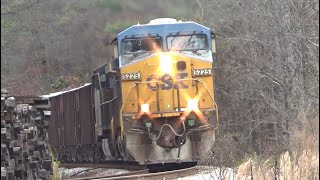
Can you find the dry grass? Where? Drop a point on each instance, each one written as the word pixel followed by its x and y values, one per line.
pixel 55 169
pixel 290 167
pixel 301 163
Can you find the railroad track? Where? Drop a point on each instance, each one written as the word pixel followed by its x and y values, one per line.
pixel 115 175
pixel 118 165
pixel 143 174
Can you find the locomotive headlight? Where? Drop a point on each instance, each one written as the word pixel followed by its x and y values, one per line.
pixel 192 104
pixel 165 64
pixel 145 108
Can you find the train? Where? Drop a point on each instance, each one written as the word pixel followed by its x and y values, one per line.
pixel 153 103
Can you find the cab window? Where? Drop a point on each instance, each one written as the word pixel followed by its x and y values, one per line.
pixel 131 46
pixel 135 48
pixel 187 42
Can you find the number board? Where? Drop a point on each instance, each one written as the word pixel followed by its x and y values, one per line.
pixel 201 72
pixel 131 76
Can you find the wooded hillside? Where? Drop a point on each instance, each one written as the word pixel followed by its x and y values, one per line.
pixel 267 74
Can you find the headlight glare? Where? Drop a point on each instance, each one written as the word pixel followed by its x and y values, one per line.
pixel 192 104
pixel 145 108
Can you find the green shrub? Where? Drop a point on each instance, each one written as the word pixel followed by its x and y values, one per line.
pixel 59 83
pixel 113 5
pixel 7 23
pixel 117 26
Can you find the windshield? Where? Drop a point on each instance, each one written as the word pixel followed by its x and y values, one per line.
pixel 132 46
pixel 187 42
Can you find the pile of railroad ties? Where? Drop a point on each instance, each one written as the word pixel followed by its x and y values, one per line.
pixel 24 151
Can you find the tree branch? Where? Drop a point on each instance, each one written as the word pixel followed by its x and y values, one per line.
pixel 25 7
pixel 202 10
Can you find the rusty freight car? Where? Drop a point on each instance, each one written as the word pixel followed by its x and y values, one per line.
pixel 72 124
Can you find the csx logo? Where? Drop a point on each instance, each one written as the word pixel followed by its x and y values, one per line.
pixel 167 83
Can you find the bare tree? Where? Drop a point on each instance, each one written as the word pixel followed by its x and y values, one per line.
pixel 268 70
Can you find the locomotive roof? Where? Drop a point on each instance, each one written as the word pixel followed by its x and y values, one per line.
pixel 163 29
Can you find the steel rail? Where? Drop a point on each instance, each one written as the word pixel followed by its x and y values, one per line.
pixel 101 165
pixel 114 175
pixel 152 176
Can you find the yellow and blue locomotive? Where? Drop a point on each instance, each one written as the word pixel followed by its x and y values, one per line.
pixel 154 103
pixel 159 93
